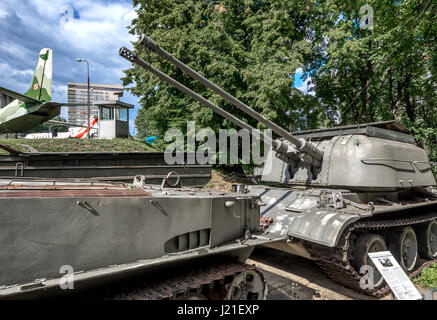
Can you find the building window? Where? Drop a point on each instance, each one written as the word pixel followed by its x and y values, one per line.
pixel 107 113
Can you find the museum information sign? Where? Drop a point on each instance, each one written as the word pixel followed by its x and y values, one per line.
pixel 396 278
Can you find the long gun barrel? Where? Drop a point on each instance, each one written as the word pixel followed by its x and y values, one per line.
pixel 302 145
pixel 130 56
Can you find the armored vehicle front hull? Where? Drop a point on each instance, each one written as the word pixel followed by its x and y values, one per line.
pixel 338 239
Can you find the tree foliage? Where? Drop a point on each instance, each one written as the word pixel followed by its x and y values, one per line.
pixel 249 48
pixel 252 48
pixel 428 277
pixel 380 73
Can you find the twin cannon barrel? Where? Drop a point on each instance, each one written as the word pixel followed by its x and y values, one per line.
pixel 302 149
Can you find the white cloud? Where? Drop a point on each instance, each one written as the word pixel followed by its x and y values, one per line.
pixel 130 15
pixel 26 73
pixel 14 72
pixel 306 87
pixel 20 80
pixel 60 89
pixel 305 84
pixel 3 13
pixel 15 50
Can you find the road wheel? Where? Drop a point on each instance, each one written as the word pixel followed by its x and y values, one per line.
pixel 427 238
pixel 366 243
pixel 248 285
pixel 403 246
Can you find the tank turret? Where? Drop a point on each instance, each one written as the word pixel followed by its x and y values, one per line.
pixel 357 156
pixel 373 156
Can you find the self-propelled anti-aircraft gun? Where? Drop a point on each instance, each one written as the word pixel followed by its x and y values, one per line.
pixel 338 193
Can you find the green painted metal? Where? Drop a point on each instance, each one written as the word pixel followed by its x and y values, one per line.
pixel 100 166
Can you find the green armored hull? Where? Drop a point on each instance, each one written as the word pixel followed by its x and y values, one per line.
pixel 100 231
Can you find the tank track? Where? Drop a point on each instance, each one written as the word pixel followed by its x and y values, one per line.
pixel 210 281
pixel 335 262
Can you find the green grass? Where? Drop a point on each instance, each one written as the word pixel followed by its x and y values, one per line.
pixel 77 145
pixel 428 277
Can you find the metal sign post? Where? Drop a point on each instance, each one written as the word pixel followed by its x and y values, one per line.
pixel 337 199
pixel 396 278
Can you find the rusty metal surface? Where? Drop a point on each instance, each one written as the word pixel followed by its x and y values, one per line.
pixel 20 187
pixel 72 193
pixel 57 189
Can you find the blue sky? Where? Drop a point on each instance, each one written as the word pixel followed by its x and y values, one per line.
pixel 92 30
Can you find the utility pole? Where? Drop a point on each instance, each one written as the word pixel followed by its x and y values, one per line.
pixel 89 102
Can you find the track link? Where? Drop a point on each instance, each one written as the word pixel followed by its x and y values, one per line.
pixel 211 282
pixel 335 262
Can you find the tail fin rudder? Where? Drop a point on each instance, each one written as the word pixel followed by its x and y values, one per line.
pixel 41 88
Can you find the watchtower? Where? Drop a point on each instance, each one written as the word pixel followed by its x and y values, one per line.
pixel 113 119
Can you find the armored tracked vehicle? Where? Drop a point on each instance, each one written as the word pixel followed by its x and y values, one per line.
pixel 374 191
pixel 61 235
pixel 337 194
pixel 100 166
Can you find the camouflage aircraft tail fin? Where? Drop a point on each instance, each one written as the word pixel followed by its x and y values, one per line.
pixel 41 88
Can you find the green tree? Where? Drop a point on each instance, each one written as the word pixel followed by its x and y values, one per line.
pixel 380 73
pixel 375 73
pixel 252 49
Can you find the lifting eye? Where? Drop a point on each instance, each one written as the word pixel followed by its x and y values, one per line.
pixel 229 204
